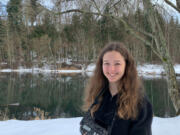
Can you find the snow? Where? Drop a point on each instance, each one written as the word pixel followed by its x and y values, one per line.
pixel 70 126
pixel 155 69
pixel 145 70
pixel 166 126
pixel 90 67
pixel 61 126
pixel 39 70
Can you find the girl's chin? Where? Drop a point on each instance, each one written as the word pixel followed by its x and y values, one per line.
pixel 112 80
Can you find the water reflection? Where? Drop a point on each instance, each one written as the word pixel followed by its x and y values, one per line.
pixel 45 96
pixel 157 92
pixel 56 95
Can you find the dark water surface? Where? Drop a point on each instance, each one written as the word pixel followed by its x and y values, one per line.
pixel 44 96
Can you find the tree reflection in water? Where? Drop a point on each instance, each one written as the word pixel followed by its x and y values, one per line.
pixel 46 96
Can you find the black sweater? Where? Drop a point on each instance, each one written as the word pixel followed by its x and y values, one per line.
pixel 140 126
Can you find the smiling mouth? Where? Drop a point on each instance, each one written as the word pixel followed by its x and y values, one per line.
pixel 112 75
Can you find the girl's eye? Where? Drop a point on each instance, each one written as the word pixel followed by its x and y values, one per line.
pixel 106 63
pixel 117 64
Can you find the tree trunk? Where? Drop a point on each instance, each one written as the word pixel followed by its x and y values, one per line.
pixel 162 49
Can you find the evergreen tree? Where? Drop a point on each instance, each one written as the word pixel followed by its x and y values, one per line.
pixel 15 15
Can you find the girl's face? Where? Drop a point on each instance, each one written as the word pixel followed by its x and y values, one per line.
pixel 113 66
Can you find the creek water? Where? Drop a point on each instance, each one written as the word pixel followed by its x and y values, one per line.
pixel 27 96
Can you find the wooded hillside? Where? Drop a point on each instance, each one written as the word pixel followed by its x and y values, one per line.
pixel 31 33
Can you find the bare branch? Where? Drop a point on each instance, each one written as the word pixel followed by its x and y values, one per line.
pixel 96 6
pixel 127 27
pixel 114 5
pixel 142 31
pixel 79 11
pixel 172 5
pixel 147 43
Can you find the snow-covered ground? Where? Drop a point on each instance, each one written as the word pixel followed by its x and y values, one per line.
pixel 146 69
pixel 39 70
pixel 70 126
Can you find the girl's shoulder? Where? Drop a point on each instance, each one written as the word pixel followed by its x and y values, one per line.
pixel 146 104
pixel 145 111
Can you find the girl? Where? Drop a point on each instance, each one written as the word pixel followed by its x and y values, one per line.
pixel 123 106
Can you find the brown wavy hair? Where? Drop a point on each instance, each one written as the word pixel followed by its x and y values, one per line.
pixel 130 90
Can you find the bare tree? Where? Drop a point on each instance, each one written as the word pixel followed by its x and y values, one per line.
pixel 159 46
pixel 162 50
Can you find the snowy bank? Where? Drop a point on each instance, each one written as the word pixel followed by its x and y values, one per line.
pixel 39 70
pixel 146 69
pixel 70 126
pixel 155 69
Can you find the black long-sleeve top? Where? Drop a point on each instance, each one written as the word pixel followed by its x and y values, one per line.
pixel 140 126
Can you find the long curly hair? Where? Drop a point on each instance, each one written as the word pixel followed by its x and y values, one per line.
pixel 130 90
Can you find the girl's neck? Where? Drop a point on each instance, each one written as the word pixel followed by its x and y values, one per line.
pixel 113 89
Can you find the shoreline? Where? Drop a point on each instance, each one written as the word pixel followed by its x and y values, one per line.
pixel 146 69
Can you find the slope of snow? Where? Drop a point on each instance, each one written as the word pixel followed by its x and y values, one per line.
pixel 70 126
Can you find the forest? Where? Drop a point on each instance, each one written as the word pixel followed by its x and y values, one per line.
pixel 33 34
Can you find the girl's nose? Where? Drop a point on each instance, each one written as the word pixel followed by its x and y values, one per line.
pixel 112 68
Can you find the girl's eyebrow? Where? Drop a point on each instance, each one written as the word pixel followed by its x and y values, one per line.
pixel 117 60
pixel 105 60
pixel 114 61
